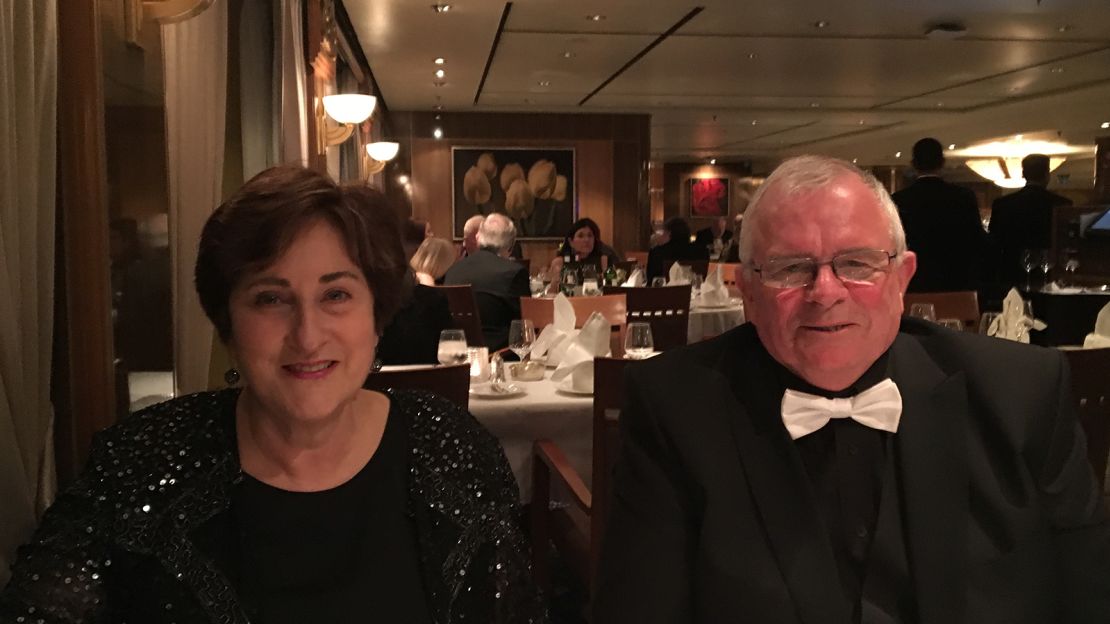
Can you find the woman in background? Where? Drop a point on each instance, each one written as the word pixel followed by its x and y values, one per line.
pixel 583 246
pixel 431 261
pixel 300 497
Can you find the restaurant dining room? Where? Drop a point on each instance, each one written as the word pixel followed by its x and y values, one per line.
pixel 554 311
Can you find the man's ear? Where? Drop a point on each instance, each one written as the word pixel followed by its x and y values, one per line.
pixel 906 269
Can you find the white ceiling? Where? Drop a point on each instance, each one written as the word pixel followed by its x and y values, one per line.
pixel 745 80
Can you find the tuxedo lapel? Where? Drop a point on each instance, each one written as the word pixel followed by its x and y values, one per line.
pixel 931 446
pixel 781 488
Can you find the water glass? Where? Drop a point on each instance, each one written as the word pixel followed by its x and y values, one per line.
pixel 637 341
pixel 522 334
pixel 657 282
pixel 452 347
pixel 590 288
pixel 923 311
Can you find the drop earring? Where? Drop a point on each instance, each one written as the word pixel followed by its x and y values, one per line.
pixel 231 376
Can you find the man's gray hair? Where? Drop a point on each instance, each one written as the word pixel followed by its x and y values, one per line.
pixel 472 224
pixel 807 173
pixel 497 233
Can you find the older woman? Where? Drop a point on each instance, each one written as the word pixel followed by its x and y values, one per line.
pixel 583 246
pixel 300 497
pixel 432 259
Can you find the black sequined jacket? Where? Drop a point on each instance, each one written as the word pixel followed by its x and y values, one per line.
pixel 120 544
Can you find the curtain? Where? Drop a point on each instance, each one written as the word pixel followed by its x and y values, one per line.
pixel 28 109
pixel 194 58
pixel 256 91
pixel 292 90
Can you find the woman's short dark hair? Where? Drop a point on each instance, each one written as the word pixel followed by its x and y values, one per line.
pixel 678 229
pixel 256 225
pixel 585 222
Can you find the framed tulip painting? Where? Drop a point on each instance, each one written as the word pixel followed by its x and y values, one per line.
pixel 708 197
pixel 533 185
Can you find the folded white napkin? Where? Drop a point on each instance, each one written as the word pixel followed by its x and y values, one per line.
pixel 1100 337
pixel 549 343
pixel 636 280
pixel 713 291
pixel 678 275
pixel 578 359
pixel 1013 324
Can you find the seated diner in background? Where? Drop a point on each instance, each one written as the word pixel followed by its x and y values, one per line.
pixel 843 463
pixel 299 497
pixel 583 246
pixel 431 261
pixel 676 246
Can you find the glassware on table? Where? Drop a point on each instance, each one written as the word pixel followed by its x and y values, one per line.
pixel 951 323
pixel 987 323
pixel 637 341
pixel 1071 266
pixel 569 283
pixel 537 284
pixel 695 284
pixel 452 347
pixel 658 281
pixel 522 334
pixel 923 311
pixel 590 288
pixel 1028 261
pixel 588 272
pixel 1046 262
pixel 478 357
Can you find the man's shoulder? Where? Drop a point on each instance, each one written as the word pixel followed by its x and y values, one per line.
pixel 980 358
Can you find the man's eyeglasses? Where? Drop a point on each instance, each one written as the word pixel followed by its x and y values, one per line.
pixel 861 266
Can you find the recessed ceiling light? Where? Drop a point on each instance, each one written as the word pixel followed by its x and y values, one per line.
pixel 439 61
pixel 951 146
pixel 441 7
pixel 403 179
pixel 437 132
pixel 752 56
pixel 1105 125
pixel 855 160
pixel 897 154
pixel 712 161
pixel 568 54
pixel 440 73
pixel 755 122
pixel 821 24
pixel 438 117
pixel 814 104
pixel 862 122
pixel 544 83
pixel 1065 28
pixel 940 104
pixel 595 17
pixel 1057 70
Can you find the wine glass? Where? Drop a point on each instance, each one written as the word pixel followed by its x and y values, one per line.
pixel 923 311
pixel 637 341
pixel 452 347
pixel 657 282
pixel 1071 266
pixel 1028 261
pixel 1046 262
pixel 569 283
pixel 522 333
pixel 537 284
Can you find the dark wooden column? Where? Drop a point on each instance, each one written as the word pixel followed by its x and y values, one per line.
pixel 83 370
pixel 1102 169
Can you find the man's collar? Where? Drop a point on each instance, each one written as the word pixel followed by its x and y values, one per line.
pixel 924 176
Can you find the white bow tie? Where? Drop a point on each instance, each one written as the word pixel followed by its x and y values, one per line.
pixel 878 407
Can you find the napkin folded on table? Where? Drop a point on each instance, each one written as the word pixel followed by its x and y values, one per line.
pixel 636 280
pixel 550 342
pixel 1013 324
pixel 678 275
pixel 713 291
pixel 578 360
pixel 1100 337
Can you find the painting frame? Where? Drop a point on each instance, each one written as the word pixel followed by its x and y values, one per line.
pixel 543 212
pixel 708 197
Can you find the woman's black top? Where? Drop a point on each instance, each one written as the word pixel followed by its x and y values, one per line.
pixel 336 555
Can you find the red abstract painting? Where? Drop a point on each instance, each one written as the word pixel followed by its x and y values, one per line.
pixel 709 197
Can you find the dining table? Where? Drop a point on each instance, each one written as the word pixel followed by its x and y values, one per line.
pixel 708 321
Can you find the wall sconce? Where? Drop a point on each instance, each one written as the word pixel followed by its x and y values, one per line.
pixel 348 110
pixel 380 153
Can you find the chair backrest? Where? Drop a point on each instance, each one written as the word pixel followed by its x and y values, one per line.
pixel 638 257
pixel 701 267
pixel 449 382
pixel 666 308
pixel 464 312
pixel 729 271
pixel 960 304
pixel 608 395
pixel 1090 387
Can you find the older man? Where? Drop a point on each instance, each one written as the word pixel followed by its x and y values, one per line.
pixel 497 281
pixel 470 235
pixel 831 463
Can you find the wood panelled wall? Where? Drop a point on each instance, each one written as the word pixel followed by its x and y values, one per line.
pixel 611 155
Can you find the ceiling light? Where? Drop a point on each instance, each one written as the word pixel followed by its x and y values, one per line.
pixel 814 104
pixel 544 83
pixel 438 117
pixel 1057 70
pixel 439 61
pixel 437 132
pixel 897 154
pixel 712 161
pixel 568 54
pixel 1105 125
pixel 1000 161
pixel 595 17
pixel 1065 28
pixel 855 160
pixel 441 7
pixel 821 24
pixel 940 104
pixel 862 122
pixel 440 73
pixel 438 107
pixel 752 56
pixel 946 30
pixel 403 179
pixel 951 146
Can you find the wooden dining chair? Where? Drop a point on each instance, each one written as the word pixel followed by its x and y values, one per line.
pixel 666 308
pixel 449 382
pixel 1090 387
pixel 541 311
pixel 464 312
pixel 576 529
pixel 959 304
pixel 701 267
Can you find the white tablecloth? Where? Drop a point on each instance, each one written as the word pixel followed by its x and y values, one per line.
pixel 541 413
pixel 709 322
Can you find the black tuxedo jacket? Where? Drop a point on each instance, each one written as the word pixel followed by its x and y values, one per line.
pixel 1023 220
pixel 713 518
pixel 943 228
pixel 498 284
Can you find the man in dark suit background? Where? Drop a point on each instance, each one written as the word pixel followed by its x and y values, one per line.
pixel 1023 220
pixel 498 282
pixel 830 463
pixel 942 226
pixel 717 231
